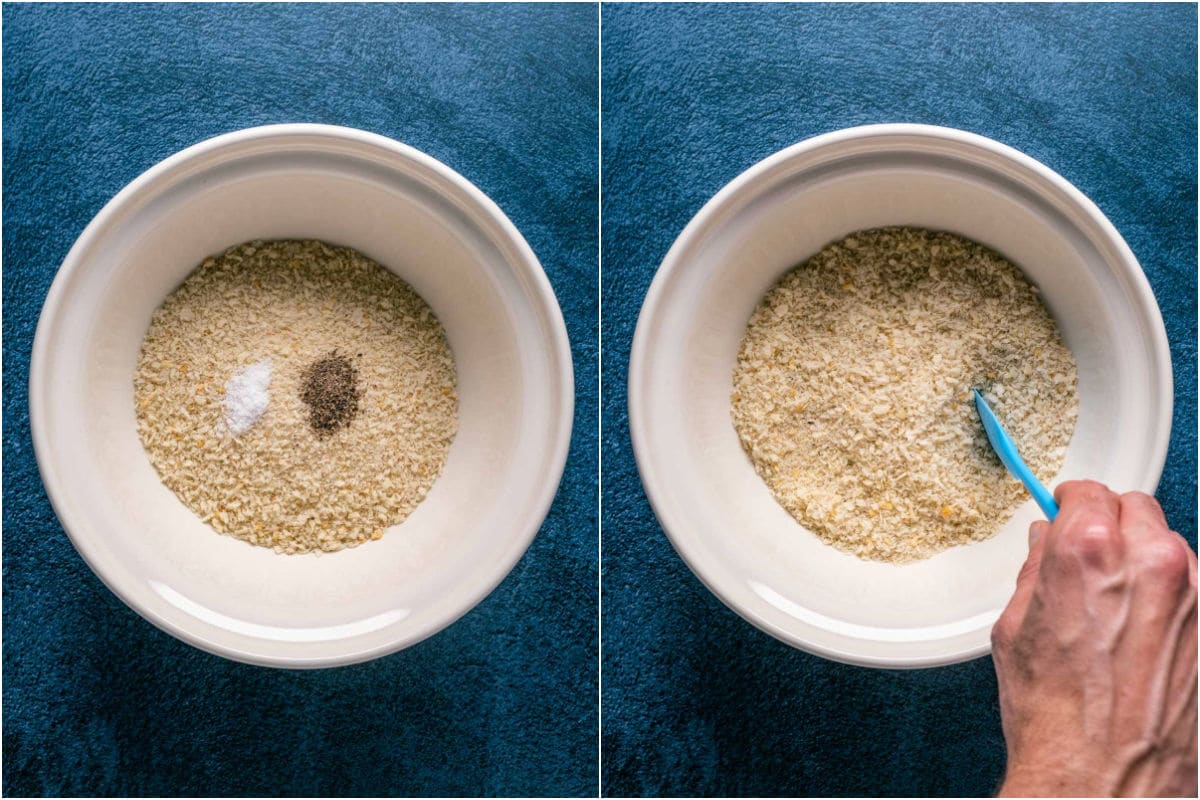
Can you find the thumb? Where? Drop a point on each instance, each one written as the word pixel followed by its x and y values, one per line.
pixel 1037 530
pixel 1027 577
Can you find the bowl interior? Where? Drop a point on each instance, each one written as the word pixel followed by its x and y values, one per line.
pixel 721 515
pixel 502 467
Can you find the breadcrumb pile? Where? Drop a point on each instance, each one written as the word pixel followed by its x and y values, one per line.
pixel 280 483
pixel 852 391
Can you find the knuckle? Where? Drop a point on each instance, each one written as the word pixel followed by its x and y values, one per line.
pixel 1084 487
pixel 1029 570
pixel 1095 537
pixel 1000 636
pixel 1167 559
pixel 1145 508
pixel 1003 632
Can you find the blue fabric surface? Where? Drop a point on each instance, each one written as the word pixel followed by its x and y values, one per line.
pixel 696 701
pixel 96 700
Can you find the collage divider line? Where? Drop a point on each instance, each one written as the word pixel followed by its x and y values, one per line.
pixel 599 399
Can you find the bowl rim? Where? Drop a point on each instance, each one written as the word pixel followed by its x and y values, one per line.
pixel 710 216
pixel 527 265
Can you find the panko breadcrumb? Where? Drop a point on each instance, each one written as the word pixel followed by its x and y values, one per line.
pixel 852 391
pixel 280 483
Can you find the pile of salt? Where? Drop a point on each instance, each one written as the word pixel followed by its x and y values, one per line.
pixel 246 396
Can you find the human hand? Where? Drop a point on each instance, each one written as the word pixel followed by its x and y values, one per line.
pixel 1096 653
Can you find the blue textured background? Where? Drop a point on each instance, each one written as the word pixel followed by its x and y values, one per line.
pixel 98 701
pixel 696 701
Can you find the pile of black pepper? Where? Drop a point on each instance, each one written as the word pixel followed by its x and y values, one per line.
pixel 329 387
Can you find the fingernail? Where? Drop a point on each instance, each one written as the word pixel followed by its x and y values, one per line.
pixel 1035 532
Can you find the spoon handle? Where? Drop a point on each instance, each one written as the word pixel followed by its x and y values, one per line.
pixel 1006 449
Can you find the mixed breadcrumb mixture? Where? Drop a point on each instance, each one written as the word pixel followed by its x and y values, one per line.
pixel 296 395
pixel 852 391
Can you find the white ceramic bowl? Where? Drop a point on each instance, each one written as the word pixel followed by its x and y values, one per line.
pixel 722 518
pixel 410 213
